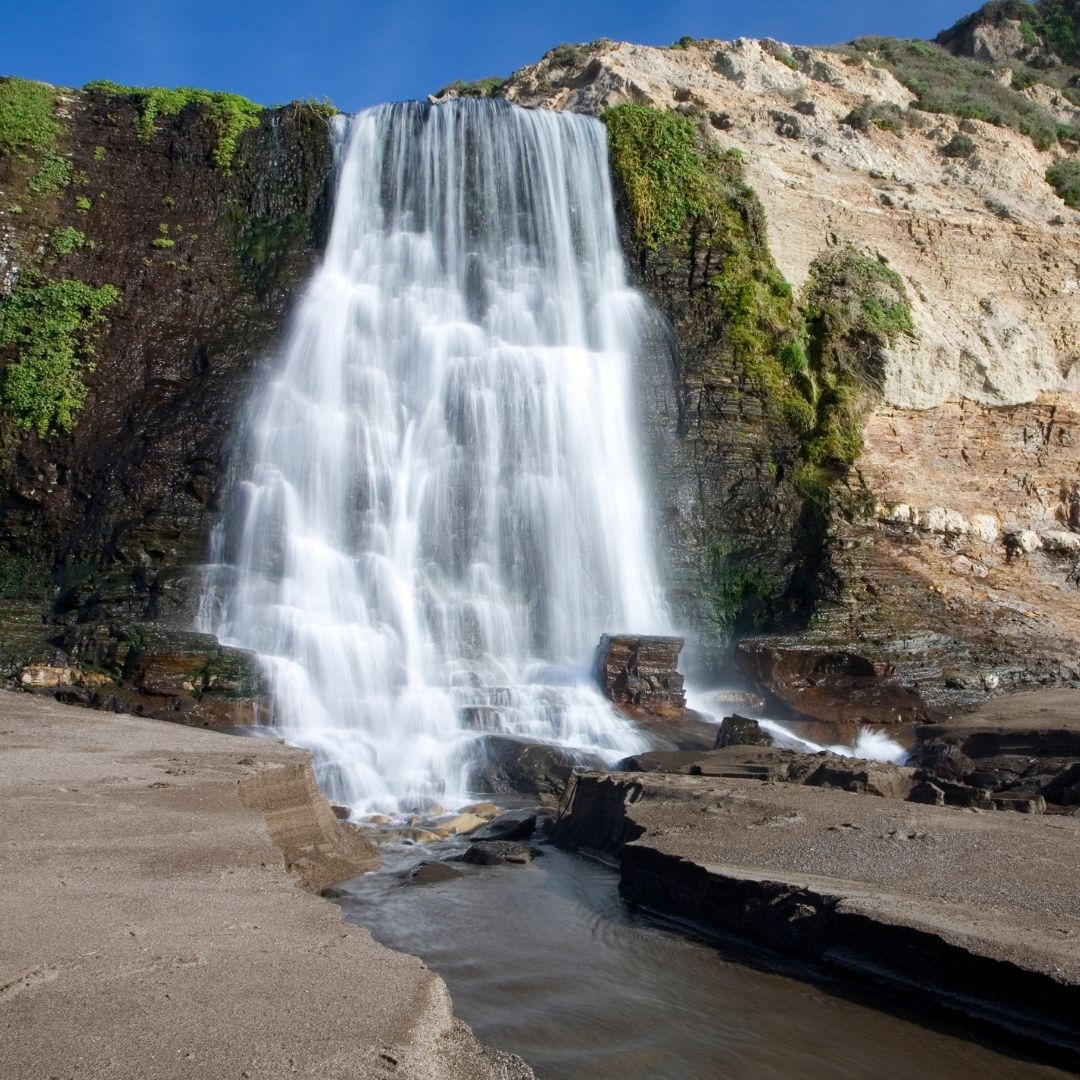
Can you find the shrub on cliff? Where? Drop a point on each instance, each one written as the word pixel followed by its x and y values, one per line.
pixel 943 83
pixel 48 326
pixel 1064 178
pixel 230 114
pixel 27 120
pixel 855 307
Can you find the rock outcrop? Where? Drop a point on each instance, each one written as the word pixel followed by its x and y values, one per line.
pixel 110 523
pixel 948 548
pixel 640 675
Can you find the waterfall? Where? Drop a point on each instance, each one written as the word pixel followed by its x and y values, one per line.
pixel 438 505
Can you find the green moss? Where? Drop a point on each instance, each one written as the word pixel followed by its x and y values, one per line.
pixel 82 204
pixel 162 243
pixel 65 240
pixel 230 114
pixel 855 306
pixel 664 178
pixel 48 326
pixel 52 175
pixel 27 116
pixel 99 153
pixel 1064 178
pixel 742 592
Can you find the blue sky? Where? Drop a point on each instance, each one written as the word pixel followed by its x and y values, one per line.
pixel 361 53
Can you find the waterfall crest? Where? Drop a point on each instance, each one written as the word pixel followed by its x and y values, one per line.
pixel 438 506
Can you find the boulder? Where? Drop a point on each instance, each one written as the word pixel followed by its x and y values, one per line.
pixel 738 730
pixel 641 674
pixel 458 825
pixel 496 852
pixel 432 873
pixel 508 764
pixel 868 777
pixel 515 825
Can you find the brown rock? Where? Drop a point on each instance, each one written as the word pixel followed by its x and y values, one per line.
pixel 641 673
pixel 738 730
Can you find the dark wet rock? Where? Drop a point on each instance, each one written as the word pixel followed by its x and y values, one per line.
pixel 738 730
pixel 832 685
pixel 432 873
pixel 508 764
pixel 514 825
pixel 342 813
pixel 688 731
pixel 928 793
pixel 943 760
pixel 497 852
pixel 641 674
pixel 954 793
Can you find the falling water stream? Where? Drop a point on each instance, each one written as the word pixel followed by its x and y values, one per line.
pixel 440 508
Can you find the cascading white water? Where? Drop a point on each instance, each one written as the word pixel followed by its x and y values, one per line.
pixel 440 508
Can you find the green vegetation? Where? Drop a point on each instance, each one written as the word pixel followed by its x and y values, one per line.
pixel 663 176
pixel 943 83
pixel 742 591
pixel 683 43
pixel 230 114
pixel 959 146
pixel 27 120
pixel 854 306
pixel 65 240
pixel 778 52
pixel 568 55
pixel 481 88
pixel 163 243
pixel 1056 22
pixel 99 153
pixel 52 176
pixel 49 326
pixel 82 204
pixel 882 115
pixel 1064 177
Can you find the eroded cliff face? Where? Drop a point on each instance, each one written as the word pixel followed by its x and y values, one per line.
pixel 950 548
pixel 104 530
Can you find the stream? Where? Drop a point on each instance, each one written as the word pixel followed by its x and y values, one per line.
pixel 546 961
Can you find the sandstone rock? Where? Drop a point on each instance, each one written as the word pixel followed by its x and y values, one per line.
pixel 515 825
pixel 342 813
pixel 481 809
pixel 496 852
pixel 420 836
pixel 641 673
pixel 722 700
pixel 738 730
pixel 868 777
pixel 938 519
pixel 984 528
pixel 1060 540
pixel 928 793
pixel 460 824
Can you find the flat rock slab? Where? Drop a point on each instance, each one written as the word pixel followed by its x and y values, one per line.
pixel 972 910
pixel 152 930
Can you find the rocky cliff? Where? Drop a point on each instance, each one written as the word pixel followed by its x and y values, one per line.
pixel 196 218
pixel 947 543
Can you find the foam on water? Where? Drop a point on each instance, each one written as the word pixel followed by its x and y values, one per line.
pixel 438 506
